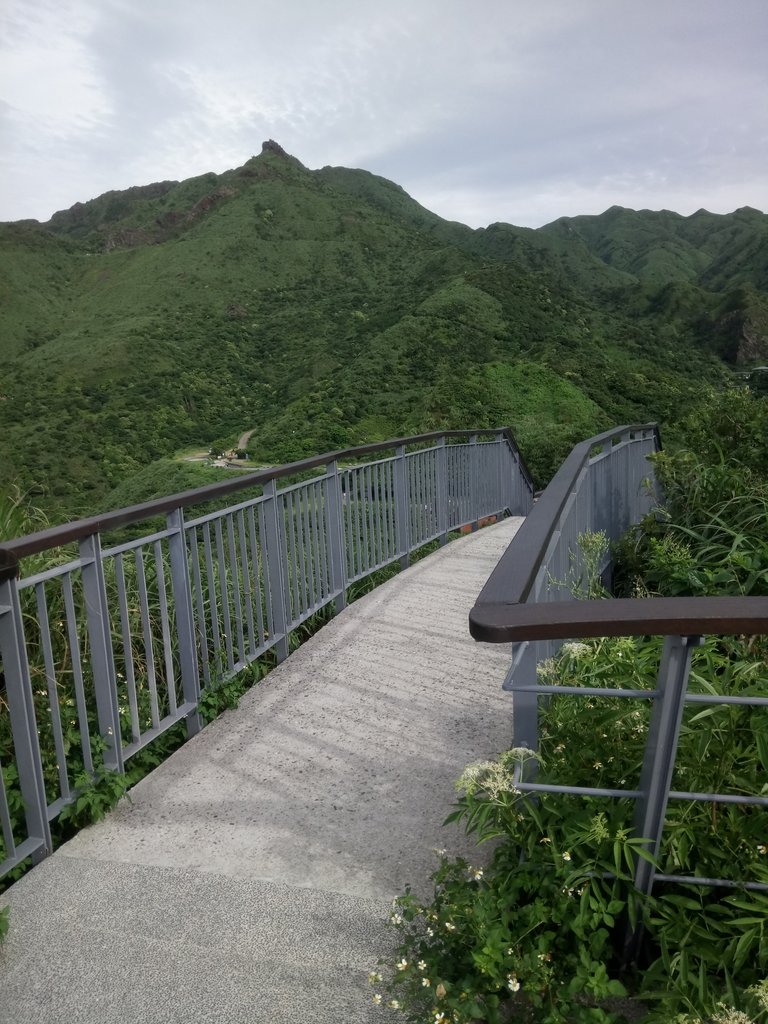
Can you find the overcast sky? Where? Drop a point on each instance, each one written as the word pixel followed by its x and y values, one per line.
pixel 483 110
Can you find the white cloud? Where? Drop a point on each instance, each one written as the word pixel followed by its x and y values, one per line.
pixel 483 110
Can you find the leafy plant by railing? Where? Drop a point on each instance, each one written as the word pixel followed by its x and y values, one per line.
pixel 539 933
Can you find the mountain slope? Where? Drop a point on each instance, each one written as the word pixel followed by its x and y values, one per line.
pixel 327 308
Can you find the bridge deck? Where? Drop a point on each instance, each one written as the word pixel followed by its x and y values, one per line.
pixel 249 877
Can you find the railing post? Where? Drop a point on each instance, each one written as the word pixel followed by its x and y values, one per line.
pixel 21 710
pixel 474 479
pixel 277 582
pixel 185 621
pixel 525 704
pixel 402 507
pixel 102 656
pixel 660 750
pixel 335 520
pixel 441 463
pixel 500 476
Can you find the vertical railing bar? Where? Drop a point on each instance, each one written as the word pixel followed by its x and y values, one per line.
pixel 265 569
pixel 149 653
pixel 245 558
pixel 21 712
pixel 441 490
pixel 425 510
pixel 202 621
pixel 402 507
pixel 306 545
pixel 99 631
pixel 418 501
pixel 373 533
pixel 366 562
pixel 317 506
pixel 51 685
pixel 469 460
pixel 349 532
pixel 472 483
pixel 224 591
pixel 383 512
pixel 213 601
pixel 257 563
pixel 237 599
pixel 358 521
pixel 5 822
pixel 661 749
pixel 362 512
pixel 371 504
pixel 179 542
pixel 77 671
pixel 325 539
pixel 277 571
pixel 389 510
pixel 335 538
pixel 125 633
pixel 170 675
pixel 416 505
pixel 293 569
pixel 301 568
pixel 387 493
pixel 427 507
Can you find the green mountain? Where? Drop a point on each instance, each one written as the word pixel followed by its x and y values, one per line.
pixel 327 308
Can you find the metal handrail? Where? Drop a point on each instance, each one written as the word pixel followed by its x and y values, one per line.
pixel 129 635
pixel 525 604
pixel 502 613
pixel 55 536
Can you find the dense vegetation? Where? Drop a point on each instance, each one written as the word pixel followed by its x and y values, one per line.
pixel 540 933
pixel 326 308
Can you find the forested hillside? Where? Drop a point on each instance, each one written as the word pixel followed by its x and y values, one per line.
pixel 327 308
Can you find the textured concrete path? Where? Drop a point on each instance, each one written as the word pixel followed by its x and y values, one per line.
pixel 249 877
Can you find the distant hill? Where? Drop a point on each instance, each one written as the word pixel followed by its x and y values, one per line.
pixel 327 308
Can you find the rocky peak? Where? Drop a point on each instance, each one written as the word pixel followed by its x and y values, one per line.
pixel 270 146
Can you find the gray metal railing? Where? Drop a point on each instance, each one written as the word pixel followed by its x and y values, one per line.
pixel 606 484
pixel 113 641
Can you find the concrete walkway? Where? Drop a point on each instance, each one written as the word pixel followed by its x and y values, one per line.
pixel 249 877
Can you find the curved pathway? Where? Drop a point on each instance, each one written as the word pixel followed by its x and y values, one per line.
pixel 248 878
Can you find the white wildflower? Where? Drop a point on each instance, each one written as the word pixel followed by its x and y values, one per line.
pixel 377 998
pixel 512 983
pixel 402 965
pixel 575 649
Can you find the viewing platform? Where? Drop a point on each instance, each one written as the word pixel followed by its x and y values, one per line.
pixel 249 877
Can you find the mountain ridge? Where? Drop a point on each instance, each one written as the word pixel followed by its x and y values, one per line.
pixel 327 308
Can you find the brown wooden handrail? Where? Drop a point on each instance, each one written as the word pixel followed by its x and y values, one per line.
pixel 676 616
